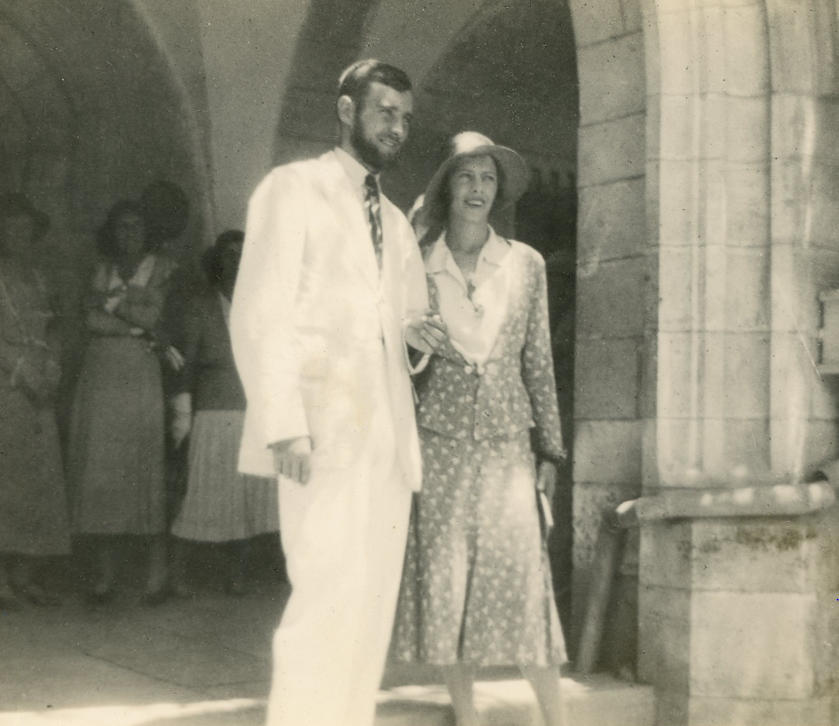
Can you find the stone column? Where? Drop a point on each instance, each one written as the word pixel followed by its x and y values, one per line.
pixel 733 625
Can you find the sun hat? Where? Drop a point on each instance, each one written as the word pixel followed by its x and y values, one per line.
pixel 15 204
pixel 513 170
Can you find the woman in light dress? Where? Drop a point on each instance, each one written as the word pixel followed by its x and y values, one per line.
pixel 476 589
pixel 117 437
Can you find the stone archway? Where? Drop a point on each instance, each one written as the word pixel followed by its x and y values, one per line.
pixel 91 112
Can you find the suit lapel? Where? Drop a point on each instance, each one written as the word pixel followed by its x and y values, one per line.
pixel 349 212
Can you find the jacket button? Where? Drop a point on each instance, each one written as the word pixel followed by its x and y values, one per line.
pixel 480 370
pixel 467 369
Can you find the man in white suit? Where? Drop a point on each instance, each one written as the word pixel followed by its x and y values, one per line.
pixel 330 289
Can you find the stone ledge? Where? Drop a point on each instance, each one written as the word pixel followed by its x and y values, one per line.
pixel 753 501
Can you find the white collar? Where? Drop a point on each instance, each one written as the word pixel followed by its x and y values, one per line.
pixel 356 171
pixel 440 258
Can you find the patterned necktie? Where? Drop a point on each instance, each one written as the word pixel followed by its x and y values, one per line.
pixel 374 216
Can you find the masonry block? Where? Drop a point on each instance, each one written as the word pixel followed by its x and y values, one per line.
pixel 747 374
pixel 611 220
pixel 821 442
pixel 752 645
pixel 596 20
pixel 675 448
pixel 611 78
pixel 754 555
pixel 795 120
pixel 746 50
pixel 633 18
pixel 747 127
pixel 745 444
pixel 674 375
pixel 790 185
pixel 676 52
pixel 675 288
pixel 611 150
pixel 794 296
pixel 606 378
pixel 747 212
pixel 820 201
pixel 665 554
pixel 607 451
pixel 793 53
pixel 677 127
pixel 610 297
pixel 664 622
pixel 759 712
pixel 676 200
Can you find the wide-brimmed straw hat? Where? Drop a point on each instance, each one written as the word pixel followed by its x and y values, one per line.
pixel 513 171
pixel 16 204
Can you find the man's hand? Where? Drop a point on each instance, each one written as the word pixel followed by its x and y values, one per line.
pixel 427 333
pixel 292 458
pixel 546 479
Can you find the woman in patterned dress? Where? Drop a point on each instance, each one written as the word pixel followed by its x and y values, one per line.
pixel 220 506
pixel 33 508
pixel 476 589
pixel 116 442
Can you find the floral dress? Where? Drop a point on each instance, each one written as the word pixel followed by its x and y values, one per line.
pixel 33 506
pixel 477 583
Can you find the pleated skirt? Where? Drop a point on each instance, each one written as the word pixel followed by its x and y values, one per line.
pixel 221 504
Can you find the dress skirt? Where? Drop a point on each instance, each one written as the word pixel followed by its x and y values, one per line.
pixel 116 450
pixel 220 504
pixel 476 584
pixel 33 504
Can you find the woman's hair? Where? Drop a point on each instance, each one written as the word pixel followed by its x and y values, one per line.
pixel 211 259
pixel 438 222
pixel 106 236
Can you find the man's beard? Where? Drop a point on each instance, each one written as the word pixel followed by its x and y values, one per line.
pixel 367 151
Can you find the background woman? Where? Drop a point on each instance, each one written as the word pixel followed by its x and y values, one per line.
pixel 116 443
pixel 477 587
pixel 221 505
pixel 33 508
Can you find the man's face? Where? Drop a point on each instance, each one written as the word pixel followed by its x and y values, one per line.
pixel 381 124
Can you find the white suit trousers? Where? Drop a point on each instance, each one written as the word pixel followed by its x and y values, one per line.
pixel 344 534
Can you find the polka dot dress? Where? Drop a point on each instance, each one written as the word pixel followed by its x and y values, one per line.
pixel 476 584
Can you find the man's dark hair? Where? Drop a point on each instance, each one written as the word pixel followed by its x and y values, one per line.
pixel 356 79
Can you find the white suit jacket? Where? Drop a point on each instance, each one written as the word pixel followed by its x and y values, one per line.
pixel 312 316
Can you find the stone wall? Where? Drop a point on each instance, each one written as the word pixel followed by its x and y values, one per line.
pixel 616 275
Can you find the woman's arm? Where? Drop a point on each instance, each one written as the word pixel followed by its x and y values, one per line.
pixel 142 307
pixel 538 370
pixel 98 319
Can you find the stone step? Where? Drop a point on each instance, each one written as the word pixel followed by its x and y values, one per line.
pixel 413 696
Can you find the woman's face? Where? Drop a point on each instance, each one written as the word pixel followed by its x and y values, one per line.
pixel 130 234
pixel 473 185
pixel 18 236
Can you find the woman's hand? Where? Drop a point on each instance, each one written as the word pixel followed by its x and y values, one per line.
pixel 427 333
pixel 546 479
